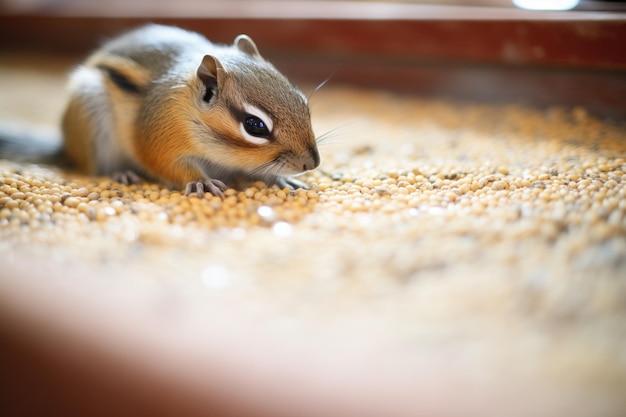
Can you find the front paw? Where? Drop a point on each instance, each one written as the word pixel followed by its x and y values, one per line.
pixel 215 187
pixel 290 183
pixel 127 177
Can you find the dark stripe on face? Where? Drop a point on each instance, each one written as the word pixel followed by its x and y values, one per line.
pixel 240 115
pixel 121 80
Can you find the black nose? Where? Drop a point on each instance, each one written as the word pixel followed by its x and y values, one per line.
pixel 312 160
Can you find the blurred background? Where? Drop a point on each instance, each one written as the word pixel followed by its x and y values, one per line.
pixel 524 4
pixel 525 51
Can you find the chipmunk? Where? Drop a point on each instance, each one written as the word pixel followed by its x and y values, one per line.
pixel 166 104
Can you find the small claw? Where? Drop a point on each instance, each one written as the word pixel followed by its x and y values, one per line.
pixel 215 187
pixel 199 189
pixel 189 188
pixel 127 177
pixel 219 184
pixel 290 183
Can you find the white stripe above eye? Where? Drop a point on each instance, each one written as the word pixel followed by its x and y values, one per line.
pixel 255 111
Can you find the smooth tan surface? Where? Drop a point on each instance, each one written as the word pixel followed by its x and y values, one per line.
pixel 452 259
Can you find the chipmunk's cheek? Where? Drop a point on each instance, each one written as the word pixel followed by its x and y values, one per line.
pixel 223 127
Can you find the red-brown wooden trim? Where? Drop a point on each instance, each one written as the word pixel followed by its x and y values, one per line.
pixel 546 58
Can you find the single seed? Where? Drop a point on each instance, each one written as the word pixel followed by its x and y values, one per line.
pixel 71 202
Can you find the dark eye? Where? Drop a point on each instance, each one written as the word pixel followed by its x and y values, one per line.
pixel 256 126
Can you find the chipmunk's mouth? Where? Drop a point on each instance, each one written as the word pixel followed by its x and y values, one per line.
pixel 277 167
pixel 289 163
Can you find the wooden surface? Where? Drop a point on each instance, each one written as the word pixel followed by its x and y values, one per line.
pixel 351 30
pixel 468 53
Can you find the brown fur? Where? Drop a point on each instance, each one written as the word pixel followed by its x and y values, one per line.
pixel 141 107
pixel 75 126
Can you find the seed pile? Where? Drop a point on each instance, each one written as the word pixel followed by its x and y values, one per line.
pixel 42 206
pixel 505 220
pixel 456 189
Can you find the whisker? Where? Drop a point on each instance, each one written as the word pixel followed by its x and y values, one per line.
pixel 261 169
pixel 332 135
pixel 268 168
pixel 326 139
pixel 323 83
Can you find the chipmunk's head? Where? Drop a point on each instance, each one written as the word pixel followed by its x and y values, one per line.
pixel 258 120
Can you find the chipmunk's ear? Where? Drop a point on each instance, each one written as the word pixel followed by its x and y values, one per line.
pixel 211 73
pixel 210 70
pixel 246 45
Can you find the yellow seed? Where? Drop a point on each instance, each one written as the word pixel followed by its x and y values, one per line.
pixel 500 185
pixel 71 202
pixel 451 196
pixel 12 204
pixel 80 192
pixel 82 207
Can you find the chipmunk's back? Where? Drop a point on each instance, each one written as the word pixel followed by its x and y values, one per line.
pixel 159 48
